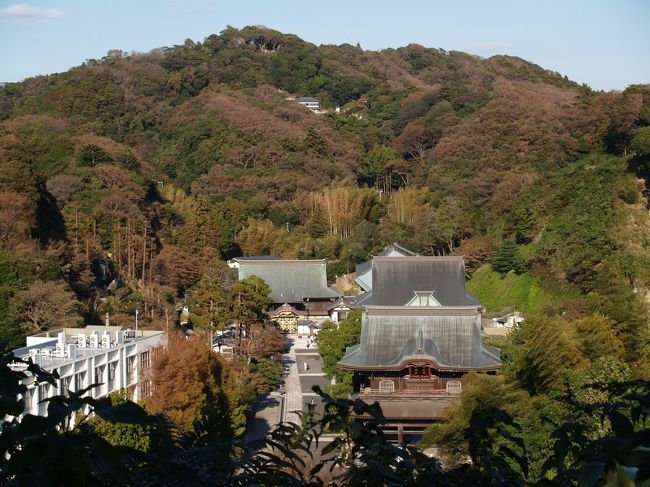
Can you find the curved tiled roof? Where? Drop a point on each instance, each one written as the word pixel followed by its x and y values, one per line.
pixel 286 308
pixel 447 336
pixel 365 267
pixel 394 281
pixel 291 281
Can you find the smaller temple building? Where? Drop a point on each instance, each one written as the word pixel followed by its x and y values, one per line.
pixel 339 310
pixel 298 288
pixel 287 317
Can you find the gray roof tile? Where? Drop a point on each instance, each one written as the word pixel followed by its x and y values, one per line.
pixel 395 280
pixel 291 281
pixel 392 335
pixel 366 266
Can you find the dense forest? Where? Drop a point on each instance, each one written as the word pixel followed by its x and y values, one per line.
pixel 126 181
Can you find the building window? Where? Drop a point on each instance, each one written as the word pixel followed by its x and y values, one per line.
pixel 145 389
pixel 145 360
pixel 454 387
pixel 79 379
pixel 43 391
pixel 29 397
pixel 112 375
pixel 99 374
pixel 65 384
pixel 130 369
pixel 386 386
pixel 111 370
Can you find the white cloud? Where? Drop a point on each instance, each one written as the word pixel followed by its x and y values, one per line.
pixel 22 13
pixel 487 46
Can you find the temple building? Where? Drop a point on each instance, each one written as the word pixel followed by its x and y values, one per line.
pixel 298 288
pixel 339 310
pixel 287 317
pixel 420 335
pixel 363 271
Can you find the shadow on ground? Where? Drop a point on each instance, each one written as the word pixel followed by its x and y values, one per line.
pixel 260 425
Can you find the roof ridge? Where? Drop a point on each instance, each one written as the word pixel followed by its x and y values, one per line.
pixel 284 261
pixel 431 258
pixel 404 307
pixel 399 247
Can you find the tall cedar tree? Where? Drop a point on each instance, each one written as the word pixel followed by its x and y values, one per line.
pixel 250 300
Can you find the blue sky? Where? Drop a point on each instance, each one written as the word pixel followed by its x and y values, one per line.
pixel 605 44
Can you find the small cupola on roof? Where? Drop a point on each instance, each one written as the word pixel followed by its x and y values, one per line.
pixel 423 298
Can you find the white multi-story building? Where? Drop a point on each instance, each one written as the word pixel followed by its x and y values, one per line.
pixel 116 358
pixel 312 103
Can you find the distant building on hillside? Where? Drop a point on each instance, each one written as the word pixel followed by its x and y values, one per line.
pixel 312 103
pixel 298 288
pixel 116 358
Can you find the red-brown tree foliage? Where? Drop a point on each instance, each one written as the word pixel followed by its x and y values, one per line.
pixel 187 379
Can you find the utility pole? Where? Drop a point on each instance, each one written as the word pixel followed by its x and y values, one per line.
pixel 136 323
pixel 239 314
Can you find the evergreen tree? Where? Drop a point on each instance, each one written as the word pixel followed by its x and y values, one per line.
pixel 136 436
pixel 597 337
pixel 507 258
pixel 480 392
pixel 333 339
pixel 91 155
pixel 539 353
pixel 250 299
pixel 10 328
pixel 209 300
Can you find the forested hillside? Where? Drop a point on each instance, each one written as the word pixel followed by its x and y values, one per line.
pixel 122 179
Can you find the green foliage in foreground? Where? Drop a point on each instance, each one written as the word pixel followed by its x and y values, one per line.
pixel 269 372
pixel 596 441
pixel 134 436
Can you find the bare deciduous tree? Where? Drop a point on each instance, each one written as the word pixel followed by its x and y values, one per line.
pixel 47 305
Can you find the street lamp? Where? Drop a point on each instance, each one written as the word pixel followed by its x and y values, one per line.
pixel 136 322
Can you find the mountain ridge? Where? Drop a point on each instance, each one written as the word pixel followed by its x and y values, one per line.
pixel 202 147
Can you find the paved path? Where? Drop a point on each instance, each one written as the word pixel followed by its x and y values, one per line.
pixel 296 386
pixel 268 412
pixel 299 381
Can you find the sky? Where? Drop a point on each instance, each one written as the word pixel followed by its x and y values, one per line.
pixel 605 44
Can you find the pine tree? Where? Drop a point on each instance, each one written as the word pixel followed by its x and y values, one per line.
pixel 507 258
